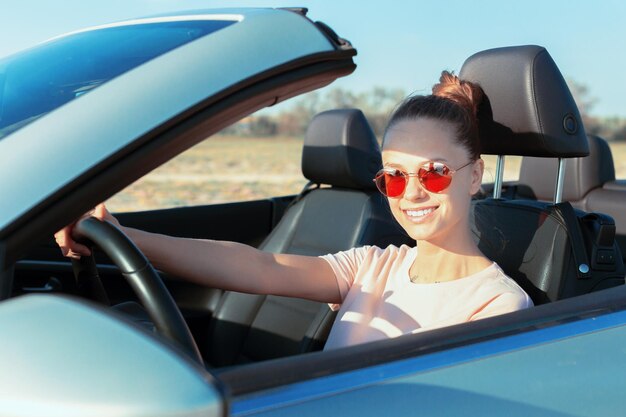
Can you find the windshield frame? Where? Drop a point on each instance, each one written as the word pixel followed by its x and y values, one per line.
pixel 43 78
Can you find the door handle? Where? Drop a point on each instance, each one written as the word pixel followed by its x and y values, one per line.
pixel 52 285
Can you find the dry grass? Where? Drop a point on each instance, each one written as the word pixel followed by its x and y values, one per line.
pixel 619 159
pixel 220 169
pixel 229 168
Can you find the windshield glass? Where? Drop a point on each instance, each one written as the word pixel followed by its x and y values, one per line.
pixel 39 80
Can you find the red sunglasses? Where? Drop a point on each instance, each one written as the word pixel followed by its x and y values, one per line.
pixel 434 177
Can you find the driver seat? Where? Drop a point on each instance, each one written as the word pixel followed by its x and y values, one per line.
pixel 341 152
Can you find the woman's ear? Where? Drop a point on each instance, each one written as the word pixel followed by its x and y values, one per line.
pixel 478 167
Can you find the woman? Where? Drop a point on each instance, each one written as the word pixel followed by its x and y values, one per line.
pixel 431 169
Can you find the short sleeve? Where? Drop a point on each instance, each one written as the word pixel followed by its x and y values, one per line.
pixel 346 265
pixel 504 303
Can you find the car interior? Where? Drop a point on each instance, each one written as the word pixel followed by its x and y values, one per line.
pixel 589 184
pixel 543 249
pixel 346 213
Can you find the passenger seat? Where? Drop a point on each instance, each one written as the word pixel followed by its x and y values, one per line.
pixel 590 184
pixel 530 112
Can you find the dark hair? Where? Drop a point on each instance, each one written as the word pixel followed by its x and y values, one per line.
pixel 453 101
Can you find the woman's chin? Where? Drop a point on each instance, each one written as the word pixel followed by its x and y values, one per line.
pixel 419 232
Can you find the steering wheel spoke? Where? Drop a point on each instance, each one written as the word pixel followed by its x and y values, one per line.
pixel 144 280
pixel 88 282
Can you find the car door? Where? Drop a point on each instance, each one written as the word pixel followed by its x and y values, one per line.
pixel 530 362
pixel 111 129
pixel 178 106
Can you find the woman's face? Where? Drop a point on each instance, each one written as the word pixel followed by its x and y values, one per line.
pixel 433 217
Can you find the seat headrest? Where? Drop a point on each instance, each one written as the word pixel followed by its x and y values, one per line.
pixel 581 174
pixel 532 107
pixel 340 149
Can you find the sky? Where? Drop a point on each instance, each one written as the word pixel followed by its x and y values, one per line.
pixel 401 43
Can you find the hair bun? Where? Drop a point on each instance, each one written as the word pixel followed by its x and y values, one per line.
pixel 464 93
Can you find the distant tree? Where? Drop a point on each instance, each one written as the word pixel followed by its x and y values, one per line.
pixel 253 126
pixel 609 128
pixel 620 135
pixel 582 97
pixel 339 98
pixel 378 104
pixel 263 126
pixel 299 116
pixel 290 124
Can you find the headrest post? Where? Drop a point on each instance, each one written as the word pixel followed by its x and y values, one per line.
pixel 497 185
pixel 560 180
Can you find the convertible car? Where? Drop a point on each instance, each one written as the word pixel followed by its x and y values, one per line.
pixel 87 113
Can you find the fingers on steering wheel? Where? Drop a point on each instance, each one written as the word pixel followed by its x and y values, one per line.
pixel 100 211
pixel 69 247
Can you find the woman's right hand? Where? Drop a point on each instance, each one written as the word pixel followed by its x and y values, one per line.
pixel 66 237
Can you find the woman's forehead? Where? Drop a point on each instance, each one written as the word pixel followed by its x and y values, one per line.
pixel 421 140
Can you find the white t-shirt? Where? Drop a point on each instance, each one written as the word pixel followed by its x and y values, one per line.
pixel 380 301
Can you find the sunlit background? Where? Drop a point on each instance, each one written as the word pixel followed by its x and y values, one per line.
pixel 402 48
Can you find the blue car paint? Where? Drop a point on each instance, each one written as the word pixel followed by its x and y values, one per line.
pixel 492 377
pixel 112 117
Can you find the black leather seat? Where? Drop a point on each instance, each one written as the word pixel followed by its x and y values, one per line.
pixel 531 112
pixel 610 199
pixel 582 175
pixel 590 183
pixel 340 150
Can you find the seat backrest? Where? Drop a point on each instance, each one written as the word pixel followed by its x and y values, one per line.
pixel 531 112
pixel 610 199
pixel 532 241
pixel 582 175
pixel 340 150
pixel 590 183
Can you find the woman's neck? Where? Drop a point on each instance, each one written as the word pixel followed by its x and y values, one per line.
pixel 456 259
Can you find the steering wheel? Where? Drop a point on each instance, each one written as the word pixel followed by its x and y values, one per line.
pixel 144 280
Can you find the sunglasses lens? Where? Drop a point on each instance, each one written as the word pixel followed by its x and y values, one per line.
pixel 391 183
pixel 436 177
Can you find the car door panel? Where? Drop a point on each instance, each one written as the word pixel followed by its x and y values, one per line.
pixel 489 378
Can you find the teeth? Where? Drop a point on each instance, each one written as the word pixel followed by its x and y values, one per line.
pixel 419 213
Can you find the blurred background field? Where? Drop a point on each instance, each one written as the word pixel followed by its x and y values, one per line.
pixel 227 168
pixel 259 156
pixel 221 169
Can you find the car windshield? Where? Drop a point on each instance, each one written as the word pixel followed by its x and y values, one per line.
pixel 41 79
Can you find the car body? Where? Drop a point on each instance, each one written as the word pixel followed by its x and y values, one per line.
pixel 64 356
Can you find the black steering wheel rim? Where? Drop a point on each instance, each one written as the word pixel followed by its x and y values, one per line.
pixel 144 280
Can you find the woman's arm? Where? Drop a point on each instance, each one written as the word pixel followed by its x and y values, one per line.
pixel 226 265
pixel 237 267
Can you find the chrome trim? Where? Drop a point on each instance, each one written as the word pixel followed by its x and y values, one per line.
pixel 497 185
pixel 560 181
pixel 151 20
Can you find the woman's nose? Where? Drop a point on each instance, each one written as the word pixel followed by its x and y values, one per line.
pixel 414 189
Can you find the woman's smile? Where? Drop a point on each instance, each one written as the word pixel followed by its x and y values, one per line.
pixel 420 215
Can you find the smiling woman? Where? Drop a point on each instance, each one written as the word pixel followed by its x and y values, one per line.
pixel 368 285
pixel 433 207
